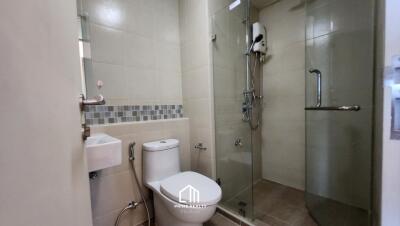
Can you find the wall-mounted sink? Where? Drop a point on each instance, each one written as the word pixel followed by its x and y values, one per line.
pixel 103 151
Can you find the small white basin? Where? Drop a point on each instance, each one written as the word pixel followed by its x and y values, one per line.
pixel 103 151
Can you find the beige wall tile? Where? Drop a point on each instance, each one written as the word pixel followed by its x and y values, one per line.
pixel 170 87
pixel 196 85
pixel 130 218
pixel 192 22
pixel 168 57
pixel 97 9
pixel 139 51
pixel 111 192
pixel 141 88
pixel 140 18
pixel 283 130
pixel 194 53
pixel 200 77
pixel 199 112
pixel 167 22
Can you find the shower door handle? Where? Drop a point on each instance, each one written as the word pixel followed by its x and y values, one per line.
pixel 335 108
pixel 319 86
pixel 318 106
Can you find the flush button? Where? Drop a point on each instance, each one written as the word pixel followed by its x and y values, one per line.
pixel 163 142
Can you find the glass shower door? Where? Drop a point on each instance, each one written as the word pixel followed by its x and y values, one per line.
pixel 339 52
pixel 232 135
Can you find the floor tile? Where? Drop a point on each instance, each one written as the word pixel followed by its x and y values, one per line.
pixel 220 220
pixel 279 205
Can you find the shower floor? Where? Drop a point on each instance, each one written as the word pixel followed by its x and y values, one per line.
pixel 277 205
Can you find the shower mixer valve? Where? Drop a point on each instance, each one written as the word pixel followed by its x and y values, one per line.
pixel 246 111
pixel 200 147
pixel 247 105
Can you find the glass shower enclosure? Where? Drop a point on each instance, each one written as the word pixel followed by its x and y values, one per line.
pixel 232 135
pixel 339 86
pixel 339 110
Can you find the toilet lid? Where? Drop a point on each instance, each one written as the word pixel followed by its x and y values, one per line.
pixel 191 188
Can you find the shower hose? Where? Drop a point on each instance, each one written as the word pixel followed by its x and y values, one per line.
pixel 255 127
pixel 133 205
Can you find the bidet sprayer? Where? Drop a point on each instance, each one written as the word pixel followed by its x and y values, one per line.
pixel 132 151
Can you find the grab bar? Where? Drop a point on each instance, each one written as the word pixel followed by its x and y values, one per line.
pixel 335 108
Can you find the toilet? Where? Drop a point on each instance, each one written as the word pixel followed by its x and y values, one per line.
pixel 180 198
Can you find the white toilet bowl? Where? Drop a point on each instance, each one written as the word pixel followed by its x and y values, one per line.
pixel 180 198
pixel 170 212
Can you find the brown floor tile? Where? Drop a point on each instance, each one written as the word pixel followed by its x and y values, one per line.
pixel 260 223
pixel 294 197
pixel 306 220
pixel 220 220
pixel 275 204
pixel 285 212
pixel 267 194
pixel 271 221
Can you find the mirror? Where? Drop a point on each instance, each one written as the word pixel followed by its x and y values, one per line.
pixel 131 54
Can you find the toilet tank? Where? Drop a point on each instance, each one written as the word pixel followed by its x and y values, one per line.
pixel 160 160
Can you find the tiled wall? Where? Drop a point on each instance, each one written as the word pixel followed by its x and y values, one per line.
pixel 116 114
pixel 283 82
pixel 114 188
pixel 196 81
pixel 135 47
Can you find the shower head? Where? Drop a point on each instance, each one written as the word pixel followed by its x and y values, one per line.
pixel 256 40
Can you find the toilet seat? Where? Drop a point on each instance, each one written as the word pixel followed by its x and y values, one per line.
pixel 191 188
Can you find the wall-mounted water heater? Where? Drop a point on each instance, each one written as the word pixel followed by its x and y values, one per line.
pixel 261 46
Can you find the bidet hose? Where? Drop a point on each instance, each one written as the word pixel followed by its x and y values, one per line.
pixel 130 205
pixel 131 150
pixel 133 205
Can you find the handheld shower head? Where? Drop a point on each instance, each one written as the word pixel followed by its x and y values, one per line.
pixel 256 40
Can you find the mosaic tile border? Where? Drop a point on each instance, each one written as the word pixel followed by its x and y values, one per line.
pixel 95 115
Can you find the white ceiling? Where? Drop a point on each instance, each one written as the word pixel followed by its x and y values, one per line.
pixel 259 4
